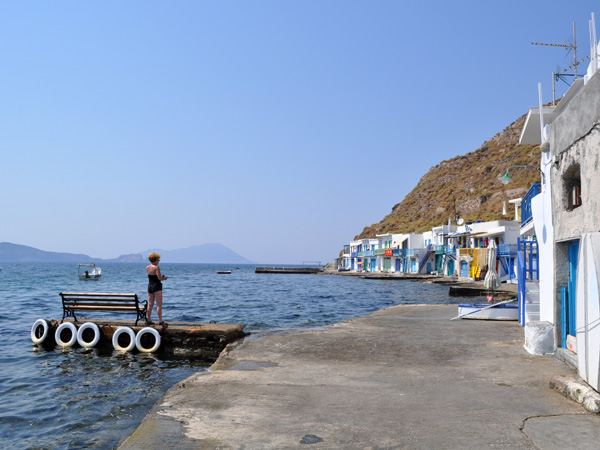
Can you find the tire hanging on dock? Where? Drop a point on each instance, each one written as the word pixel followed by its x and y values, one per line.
pixel 39 331
pixel 64 327
pixel 82 337
pixel 117 336
pixel 140 345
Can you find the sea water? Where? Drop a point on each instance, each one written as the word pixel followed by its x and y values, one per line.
pixel 77 398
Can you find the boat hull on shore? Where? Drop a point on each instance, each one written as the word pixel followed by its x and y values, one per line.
pixel 501 312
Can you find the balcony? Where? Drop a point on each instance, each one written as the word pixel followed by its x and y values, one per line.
pixel 526 214
pixel 360 254
pixel 467 251
pixel 445 249
pixel 507 250
pixel 368 253
pixel 353 254
pixel 379 252
pixel 396 252
pixel 388 252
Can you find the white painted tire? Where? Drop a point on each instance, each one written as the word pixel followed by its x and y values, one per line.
pixel 115 339
pixel 36 336
pixel 62 327
pixel 138 340
pixel 88 326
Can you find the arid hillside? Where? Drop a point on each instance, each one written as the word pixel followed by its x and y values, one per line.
pixel 465 186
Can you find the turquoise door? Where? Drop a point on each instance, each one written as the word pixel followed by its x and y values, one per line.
pixel 450 267
pixel 428 267
pixel 413 266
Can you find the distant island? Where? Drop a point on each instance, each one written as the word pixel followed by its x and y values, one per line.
pixel 206 253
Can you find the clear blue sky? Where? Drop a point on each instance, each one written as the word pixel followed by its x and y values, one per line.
pixel 277 128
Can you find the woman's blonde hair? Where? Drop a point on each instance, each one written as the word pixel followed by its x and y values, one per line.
pixel 154 256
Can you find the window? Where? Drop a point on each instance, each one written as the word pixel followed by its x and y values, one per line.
pixel 572 187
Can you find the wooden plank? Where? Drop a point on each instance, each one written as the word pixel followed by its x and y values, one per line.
pixel 96 294
pixel 105 308
pixel 98 305
pixel 91 301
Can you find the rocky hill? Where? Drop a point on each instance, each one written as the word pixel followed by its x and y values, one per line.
pixel 466 186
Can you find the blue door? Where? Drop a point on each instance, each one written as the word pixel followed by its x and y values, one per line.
pixel 464 269
pixel 572 287
pixel 428 267
pixel 398 265
pixel 413 266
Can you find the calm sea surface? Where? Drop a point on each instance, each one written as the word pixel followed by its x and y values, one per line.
pixel 76 399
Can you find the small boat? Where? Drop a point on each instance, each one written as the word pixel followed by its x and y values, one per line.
pixel 223 272
pixel 89 272
pixel 488 312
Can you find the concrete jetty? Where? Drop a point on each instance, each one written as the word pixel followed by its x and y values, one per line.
pixel 288 270
pixel 204 341
pixel 405 377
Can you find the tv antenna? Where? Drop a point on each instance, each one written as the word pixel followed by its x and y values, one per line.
pixel 561 75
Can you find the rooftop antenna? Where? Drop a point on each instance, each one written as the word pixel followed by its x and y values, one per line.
pixel 593 44
pixel 562 74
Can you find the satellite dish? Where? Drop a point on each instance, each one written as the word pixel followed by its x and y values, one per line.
pixel 460 221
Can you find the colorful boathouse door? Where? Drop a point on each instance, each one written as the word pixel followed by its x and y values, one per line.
pixel 464 269
pixel 569 294
pixel 450 267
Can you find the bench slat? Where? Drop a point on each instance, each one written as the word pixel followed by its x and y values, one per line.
pixel 104 308
pixel 100 304
pixel 97 294
pixel 100 301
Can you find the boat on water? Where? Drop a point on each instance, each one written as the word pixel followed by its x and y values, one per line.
pixel 89 272
pixel 223 272
pixel 488 312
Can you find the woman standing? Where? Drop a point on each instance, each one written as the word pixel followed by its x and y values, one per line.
pixel 154 288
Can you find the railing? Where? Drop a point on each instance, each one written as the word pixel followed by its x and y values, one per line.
pixel 526 214
pixel 422 262
pixel 353 254
pixel 379 251
pixel 411 252
pixel 528 252
pixel 388 252
pixel 467 251
pixel 396 252
pixel 369 253
pixel 451 249
pixel 360 254
pixel 521 288
pixel 507 250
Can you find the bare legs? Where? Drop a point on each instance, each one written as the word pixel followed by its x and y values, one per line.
pixel 158 296
pixel 151 298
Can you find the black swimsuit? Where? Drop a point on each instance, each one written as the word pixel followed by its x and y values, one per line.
pixel 154 284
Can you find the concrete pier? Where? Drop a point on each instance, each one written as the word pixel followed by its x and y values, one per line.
pixel 307 270
pixel 203 341
pixel 405 377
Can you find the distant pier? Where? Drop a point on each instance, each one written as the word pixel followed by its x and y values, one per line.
pixel 310 270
